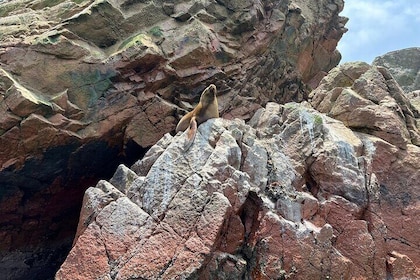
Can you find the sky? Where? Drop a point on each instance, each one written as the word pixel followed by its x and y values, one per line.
pixel 376 27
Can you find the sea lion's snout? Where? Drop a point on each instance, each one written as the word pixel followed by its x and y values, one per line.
pixel 212 88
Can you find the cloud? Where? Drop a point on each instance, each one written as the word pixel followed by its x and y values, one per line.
pixel 413 11
pixel 376 27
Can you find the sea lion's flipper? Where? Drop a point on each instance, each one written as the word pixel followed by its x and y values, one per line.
pixel 192 131
pixel 184 123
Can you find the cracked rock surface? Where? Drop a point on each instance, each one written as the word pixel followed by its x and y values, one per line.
pixel 324 188
pixel 86 85
pixel 294 194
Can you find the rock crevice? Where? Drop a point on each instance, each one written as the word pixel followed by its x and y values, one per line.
pixel 86 85
pixel 239 203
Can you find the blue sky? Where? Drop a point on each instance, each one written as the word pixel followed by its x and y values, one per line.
pixel 379 26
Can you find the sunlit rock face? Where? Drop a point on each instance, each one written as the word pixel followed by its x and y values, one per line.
pixel 292 194
pixel 368 99
pixel 326 188
pixel 86 85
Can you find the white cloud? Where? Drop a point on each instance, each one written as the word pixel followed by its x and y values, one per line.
pixel 376 27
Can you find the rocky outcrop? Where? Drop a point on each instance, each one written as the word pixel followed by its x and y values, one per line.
pixel 86 85
pixel 368 99
pixel 404 67
pixel 292 194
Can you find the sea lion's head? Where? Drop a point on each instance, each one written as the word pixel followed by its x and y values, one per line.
pixel 209 95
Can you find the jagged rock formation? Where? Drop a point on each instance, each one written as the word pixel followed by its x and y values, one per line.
pixel 85 85
pixel 293 194
pixel 368 99
pixel 404 66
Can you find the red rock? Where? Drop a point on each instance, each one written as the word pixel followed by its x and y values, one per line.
pixel 234 235
pixel 401 266
pixel 8 120
pixel 292 195
pixel 356 243
pixel 92 263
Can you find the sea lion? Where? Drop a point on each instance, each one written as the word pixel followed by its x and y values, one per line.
pixel 206 109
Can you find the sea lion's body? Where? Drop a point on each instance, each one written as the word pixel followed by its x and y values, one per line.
pixel 206 109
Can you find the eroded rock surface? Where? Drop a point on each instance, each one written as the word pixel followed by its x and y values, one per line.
pixel 293 194
pixel 86 85
pixel 325 189
pixel 368 99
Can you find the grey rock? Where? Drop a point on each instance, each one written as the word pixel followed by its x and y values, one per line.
pixel 404 66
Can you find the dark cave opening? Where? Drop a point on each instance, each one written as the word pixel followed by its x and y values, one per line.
pixel 41 201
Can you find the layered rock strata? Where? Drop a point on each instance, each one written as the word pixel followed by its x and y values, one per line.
pixel 86 85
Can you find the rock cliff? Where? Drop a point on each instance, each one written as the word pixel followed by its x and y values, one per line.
pixel 404 65
pixel 290 183
pixel 86 85
pixel 293 194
